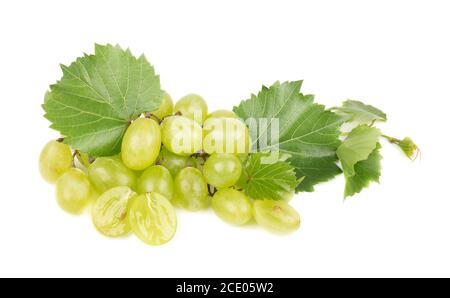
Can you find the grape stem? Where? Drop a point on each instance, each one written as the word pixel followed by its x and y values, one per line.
pixel 211 190
pixel 151 115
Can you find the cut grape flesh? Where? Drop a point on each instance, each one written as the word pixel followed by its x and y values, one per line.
pixel 152 218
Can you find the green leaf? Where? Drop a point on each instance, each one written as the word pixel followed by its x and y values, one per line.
pixel 409 148
pixel 98 96
pixel 361 113
pixel 357 147
pixel 365 171
pixel 266 179
pixel 307 132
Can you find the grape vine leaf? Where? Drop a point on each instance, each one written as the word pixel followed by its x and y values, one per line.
pixel 365 171
pixel 268 180
pixel 361 113
pixel 98 96
pixel 357 147
pixel 308 132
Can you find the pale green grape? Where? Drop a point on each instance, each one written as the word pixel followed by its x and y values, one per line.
pixel 166 107
pixel 232 206
pixel 109 211
pixel 73 191
pixel 221 114
pixel 108 172
pixel 174 163
pixel 152 218
pixel 54 160
pixel 277 216
pixel 156 179
pixel 225 135
pixel 141 144
pixel 196 162
pixel 222 170
pixel 181 135
pixel 191 190
pixel 192 106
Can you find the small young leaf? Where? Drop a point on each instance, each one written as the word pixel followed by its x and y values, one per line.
pixel 307 132
pixel 268 181
pixel 357 147
pixel 361 113
pixel 365 171
pixel 98 96
pixel 409 148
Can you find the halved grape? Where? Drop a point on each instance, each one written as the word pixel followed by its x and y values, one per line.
pixel 225 135
pixel 73 191
pixel 221 114
pixel 174 163
pixel 166 107
pixel 152 218
pixel 222 170
pixel 232 206
pixel 108 172
pixel 191 190
pixel 181 135
pixel 54 160
pixel 109 211
pixel 276 216
pixel 192 106
pixel 156 179
pixel 141 144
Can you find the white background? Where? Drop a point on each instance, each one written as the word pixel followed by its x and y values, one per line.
pixel 392 54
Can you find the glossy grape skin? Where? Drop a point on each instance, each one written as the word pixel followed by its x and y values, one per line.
pixel 225 135
pixel 166 107
pixel 141 144
pixel 191 190
pixel 108 172
pixel 181 135
pixel 276 216
pixel 174 163
pixel 55 159
pixel 156 179
pixel 73 191
pixel 222 170
pixel 152 218
pixel 192 106
pixel 232 206
pixel 221 114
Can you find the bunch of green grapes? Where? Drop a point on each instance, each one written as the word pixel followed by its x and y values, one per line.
pixel 177 156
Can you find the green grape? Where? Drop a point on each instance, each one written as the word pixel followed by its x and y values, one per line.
pixel 152 218
pixel 191 190
pixel 192 106
pixel 141 144
pixel 73 191
pixel 225 135
pixel 109 212
pixel 166 107
pixel 232 206
pixel 196 162
pixel 54 160
pixel 276 216
pixel 156 179
pixel 108 172
pixel 221 114
pixel 222 170
pixel 174 163
pixel 181 135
